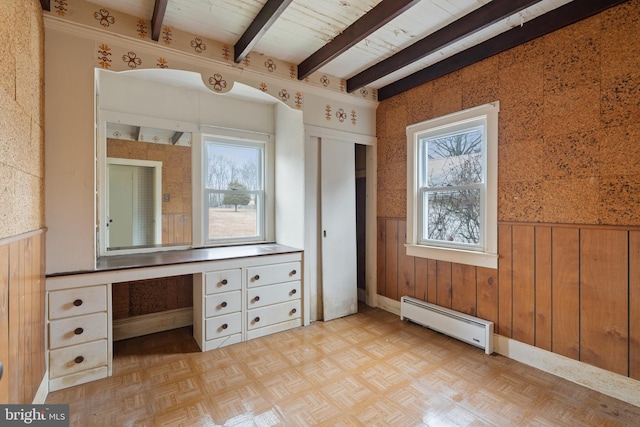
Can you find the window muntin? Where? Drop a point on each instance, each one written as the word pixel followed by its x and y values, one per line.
pixel 234 191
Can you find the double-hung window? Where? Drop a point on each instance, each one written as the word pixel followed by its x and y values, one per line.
pixel 452 188
pixel 234 190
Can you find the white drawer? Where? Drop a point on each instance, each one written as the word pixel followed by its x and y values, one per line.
pixel 222 281
pixel 272 329
pixel 272 294
pixel 271 314
pixel 77 330
pixel 68 360
pixel 74 302
pixel 224 303
pixel 222 342
pixel 275 273
pixel 220 326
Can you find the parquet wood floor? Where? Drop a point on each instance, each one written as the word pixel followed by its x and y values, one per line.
pixel 368 369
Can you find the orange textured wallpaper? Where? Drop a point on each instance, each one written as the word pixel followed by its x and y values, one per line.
pixel 569 124
pixel 176 169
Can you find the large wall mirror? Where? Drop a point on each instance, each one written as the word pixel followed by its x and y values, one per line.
pixel 150 160
pixel 147 187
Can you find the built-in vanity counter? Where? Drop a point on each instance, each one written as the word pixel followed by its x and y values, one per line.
pixel 239 293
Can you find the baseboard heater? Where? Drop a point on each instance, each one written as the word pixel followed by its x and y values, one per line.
pixel 472 330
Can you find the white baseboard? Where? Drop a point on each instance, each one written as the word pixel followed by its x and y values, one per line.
pixel 388 304
pixel 603 381
pixel 43 390
pixel 600 380
pixel 151 323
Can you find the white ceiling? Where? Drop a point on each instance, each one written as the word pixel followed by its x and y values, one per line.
pixel 307 25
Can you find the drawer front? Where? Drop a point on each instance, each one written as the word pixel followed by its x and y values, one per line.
pixel 77 330
pixel 68 360
pixel 272 294
pixel 74 302
pixel 272 314
pixel 220 326
pixel 222 281
pixel 276 273
pixel 224 303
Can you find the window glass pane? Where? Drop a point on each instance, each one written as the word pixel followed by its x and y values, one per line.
pixel 452 216
pixel 234 191
pixel 454 159
pixel 233 167
pixel 233 215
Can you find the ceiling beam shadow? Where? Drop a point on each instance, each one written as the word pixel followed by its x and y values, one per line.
pixel 551 21
pixel 269 13
pixel 159 10
pixel 380 15
pixel 471 23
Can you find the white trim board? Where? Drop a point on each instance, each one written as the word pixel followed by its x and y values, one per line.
pixel 43 390
pixel 600 380
pixel 151 323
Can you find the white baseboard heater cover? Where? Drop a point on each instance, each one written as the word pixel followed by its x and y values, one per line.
pixel 472 330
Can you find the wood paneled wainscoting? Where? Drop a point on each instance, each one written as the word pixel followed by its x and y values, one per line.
pixel 573 290
pixel 176 228
pixel 22 317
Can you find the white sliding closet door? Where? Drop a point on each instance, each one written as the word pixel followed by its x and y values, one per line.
pixel 338 228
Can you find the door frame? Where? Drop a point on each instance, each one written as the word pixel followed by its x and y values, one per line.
pixel 157 194
pixel 313 293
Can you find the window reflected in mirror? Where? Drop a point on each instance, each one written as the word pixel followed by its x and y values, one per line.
pixel 148 181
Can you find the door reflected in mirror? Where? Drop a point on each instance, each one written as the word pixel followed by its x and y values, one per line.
pixel 148 200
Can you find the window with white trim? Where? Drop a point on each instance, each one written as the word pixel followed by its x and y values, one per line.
pixel 452 187
pixel 234 190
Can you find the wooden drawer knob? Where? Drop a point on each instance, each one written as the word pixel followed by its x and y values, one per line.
pixel 257 319
pixel 293 291
pixel 256 277
pixel 257 298
pixel 224 304
pixel 79 359
pixel 225 326
pixel 294 311
pixel 293 272
pixel 77 302
pixel 224 281
pixel 78 331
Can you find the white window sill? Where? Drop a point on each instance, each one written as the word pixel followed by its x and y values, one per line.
pixel 479 259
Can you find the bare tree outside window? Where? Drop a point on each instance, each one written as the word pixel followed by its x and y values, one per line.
pixel 454 176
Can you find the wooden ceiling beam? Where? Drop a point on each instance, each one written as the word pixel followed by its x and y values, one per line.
pixel 269 13
pixel 551 21
pixel 46 5
pixel 176 137
pixel 471 23
pixel 159 9
pixel 380 15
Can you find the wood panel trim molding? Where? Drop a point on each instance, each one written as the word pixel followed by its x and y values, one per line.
pixel 12 239
pixel 151 323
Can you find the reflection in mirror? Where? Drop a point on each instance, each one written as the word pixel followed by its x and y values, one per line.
pixel 148 187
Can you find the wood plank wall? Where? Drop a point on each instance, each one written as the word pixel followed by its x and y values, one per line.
pixel 22 316
pixel 572 290
pixel 176 228
pixel 130 299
